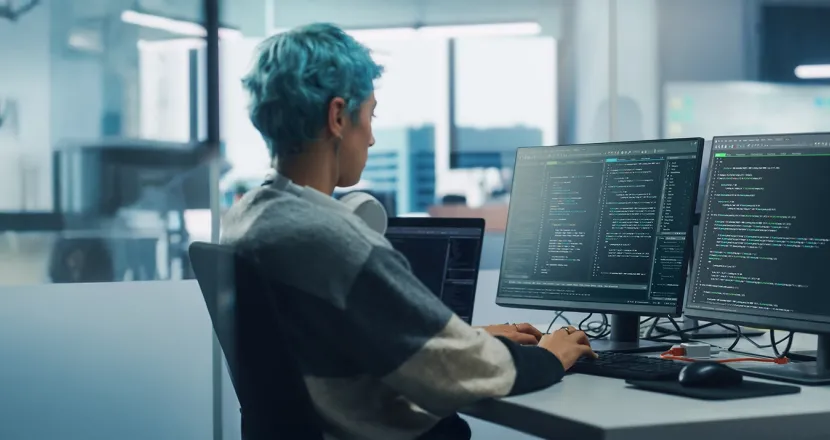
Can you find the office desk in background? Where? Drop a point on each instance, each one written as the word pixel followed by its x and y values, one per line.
pixel 595 408
pixel 495 216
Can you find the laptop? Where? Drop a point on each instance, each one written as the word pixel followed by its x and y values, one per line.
pixel 444 254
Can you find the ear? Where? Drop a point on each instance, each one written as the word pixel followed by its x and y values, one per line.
pixel 337 116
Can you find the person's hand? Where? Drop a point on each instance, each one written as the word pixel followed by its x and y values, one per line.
pixel 568 345
pixel 524 334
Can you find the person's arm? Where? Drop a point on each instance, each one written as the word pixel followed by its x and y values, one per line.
pixel 409 338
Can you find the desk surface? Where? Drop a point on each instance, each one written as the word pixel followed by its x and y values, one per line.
pixel 589 407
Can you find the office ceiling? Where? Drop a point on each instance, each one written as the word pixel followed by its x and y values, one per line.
pixel 250 16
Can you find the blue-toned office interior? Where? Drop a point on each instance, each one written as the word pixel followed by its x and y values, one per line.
pixel 651 175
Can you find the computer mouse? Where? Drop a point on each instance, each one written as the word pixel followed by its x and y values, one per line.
pixel 706 374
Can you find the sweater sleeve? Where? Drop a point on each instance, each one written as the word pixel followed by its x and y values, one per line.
pixel 407 337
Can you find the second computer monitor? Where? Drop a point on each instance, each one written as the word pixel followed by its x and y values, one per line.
pixel 764 242
pixel 601 228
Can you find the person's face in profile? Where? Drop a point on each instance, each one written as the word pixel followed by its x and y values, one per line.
pixel 357 137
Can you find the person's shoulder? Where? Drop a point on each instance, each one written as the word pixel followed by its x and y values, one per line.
pixel 302 244
pixel 271 218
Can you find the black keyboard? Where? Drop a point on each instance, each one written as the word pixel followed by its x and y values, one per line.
pixel 629 367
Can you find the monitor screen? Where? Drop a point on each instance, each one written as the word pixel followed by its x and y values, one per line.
pixel 601 227
pixel 764 241
pixel 444 254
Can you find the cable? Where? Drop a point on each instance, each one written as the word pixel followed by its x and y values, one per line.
pixel 582 323
pixel 786 351
pixel 682 331
pixel 773 343
pixel 602 329
pixel 555 317
pixel 606 325
pixel 679 331
pixel 737 337
pixel 678 354
pixel 651 327
pixel 595 329
pixel 745 353
pixel 757 345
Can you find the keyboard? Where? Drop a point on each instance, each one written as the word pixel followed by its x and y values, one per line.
pixel 628 366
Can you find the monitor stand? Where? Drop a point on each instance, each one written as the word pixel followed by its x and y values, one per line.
pixel 625 337
pixel 802 373
pixel 713 332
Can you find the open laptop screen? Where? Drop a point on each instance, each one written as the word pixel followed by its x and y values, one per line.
pixel 444 254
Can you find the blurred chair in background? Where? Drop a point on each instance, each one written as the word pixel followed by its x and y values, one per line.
pixel 81 260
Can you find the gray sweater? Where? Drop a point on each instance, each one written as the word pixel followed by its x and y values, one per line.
pixel 382 357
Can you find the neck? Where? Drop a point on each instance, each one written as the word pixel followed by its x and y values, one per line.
pixel 313 170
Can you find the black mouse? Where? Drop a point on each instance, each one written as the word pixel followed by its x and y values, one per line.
pixel 707 374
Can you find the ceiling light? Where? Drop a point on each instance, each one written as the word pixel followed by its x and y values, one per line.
pixel 175 43
pixel 445 32
pixel 180 27
pixel 813 71
pixel 482 30
pixel 86 40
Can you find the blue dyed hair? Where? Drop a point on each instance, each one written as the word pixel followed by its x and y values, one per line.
pixel 295 76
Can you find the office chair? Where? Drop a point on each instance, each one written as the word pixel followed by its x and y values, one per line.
pixel 274 401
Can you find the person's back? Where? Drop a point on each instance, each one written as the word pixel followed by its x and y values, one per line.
pixel 381 356
pixel 346 329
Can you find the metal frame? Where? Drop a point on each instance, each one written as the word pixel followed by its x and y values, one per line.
pixel 453 150
pixel 612 71
pixel 212 142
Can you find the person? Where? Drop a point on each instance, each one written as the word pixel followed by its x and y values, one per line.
pixel 387 359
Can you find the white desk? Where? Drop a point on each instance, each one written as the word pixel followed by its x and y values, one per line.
pixel 593 408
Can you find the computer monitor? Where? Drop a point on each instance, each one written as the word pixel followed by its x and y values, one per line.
pixel 444 254
pixel 602 228
pixel 764 245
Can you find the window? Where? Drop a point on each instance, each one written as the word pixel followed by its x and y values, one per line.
pixel 103 118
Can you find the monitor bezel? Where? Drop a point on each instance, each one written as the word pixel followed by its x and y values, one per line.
pixel 746 318
pixel 613 308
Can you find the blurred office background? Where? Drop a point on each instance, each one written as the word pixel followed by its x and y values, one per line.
pixel 123 137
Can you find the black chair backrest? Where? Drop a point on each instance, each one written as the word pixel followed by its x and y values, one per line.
pixel 242 306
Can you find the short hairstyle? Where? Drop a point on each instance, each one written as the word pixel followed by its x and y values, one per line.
pixel 295 76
